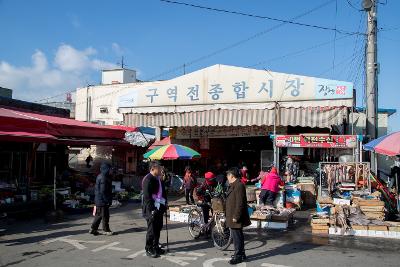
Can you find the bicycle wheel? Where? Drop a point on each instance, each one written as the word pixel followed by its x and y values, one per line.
pixel 195 222
pixel 221 235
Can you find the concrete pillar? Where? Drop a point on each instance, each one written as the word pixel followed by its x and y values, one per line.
pixel 158 133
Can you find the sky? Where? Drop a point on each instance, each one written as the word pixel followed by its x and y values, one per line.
pixel 49 48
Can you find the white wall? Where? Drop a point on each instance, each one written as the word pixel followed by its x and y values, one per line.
pixel 118 76
pixel 101 96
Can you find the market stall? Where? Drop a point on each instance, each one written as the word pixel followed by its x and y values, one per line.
pixel 357 202
pixel 301 159
pixel 34 172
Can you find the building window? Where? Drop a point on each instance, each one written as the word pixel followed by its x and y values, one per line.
pixel 103 110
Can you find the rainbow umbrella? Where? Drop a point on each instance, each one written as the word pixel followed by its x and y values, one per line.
pixel 170 152
pixel 388 145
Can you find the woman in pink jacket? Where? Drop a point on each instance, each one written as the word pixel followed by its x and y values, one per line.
pixel 270 187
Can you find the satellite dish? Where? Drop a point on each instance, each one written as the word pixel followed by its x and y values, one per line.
pixel 367 4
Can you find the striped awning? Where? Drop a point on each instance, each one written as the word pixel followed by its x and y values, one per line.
pixel 321 117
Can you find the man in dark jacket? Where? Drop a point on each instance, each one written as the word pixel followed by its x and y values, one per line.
pixel 154 206
pixel 103 200
pixel 236 213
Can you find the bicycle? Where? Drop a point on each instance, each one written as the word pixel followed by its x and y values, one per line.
pixel 220 234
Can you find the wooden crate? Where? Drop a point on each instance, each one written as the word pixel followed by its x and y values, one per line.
pixel 359 227
pixel 320 221
pixel 377 227
pixel 372 208
pixel 320 227
pixel 320 232
pixel 257 216
pixel 175 208
pixel 371 203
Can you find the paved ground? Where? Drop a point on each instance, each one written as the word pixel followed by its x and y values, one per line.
pixel 35 243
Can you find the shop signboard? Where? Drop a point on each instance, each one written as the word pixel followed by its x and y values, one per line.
pixel 224 132
pixel 221 84
pixel 317 141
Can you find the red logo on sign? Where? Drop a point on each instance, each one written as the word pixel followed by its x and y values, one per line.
pixel 340 90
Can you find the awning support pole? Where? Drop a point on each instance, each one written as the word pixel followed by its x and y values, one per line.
pixel 55 187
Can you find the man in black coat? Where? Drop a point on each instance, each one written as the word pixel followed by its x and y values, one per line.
pixel 103 200
pixel 237 215
pixel 154 206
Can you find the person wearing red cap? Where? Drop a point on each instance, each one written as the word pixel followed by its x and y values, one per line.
pixel 270 187
pixel 204 193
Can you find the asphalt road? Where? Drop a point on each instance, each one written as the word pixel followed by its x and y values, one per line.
pixel 35 243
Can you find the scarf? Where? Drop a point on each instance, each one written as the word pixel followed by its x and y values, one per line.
pixel 158 199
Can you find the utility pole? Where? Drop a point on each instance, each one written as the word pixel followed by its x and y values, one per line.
pixel 370 6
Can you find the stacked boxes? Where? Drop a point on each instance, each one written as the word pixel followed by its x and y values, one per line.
pixel 373 209
pixel 320 225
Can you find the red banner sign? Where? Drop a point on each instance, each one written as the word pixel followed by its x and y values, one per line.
pixel 317 141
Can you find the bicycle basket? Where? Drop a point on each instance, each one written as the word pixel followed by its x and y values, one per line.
pixel 217 204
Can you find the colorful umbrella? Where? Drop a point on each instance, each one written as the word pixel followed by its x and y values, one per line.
pixel 170 152
pixel 388 145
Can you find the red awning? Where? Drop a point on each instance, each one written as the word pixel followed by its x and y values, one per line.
pixel 26 137
pixel 26 126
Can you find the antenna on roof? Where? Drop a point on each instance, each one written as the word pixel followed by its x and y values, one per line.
pixel 122 63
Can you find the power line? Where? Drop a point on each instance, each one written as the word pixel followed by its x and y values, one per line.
pixel 362 16
pixel 221 50
pixel 334 39
pixel 352 6
pixel 298 52
pixel 262 17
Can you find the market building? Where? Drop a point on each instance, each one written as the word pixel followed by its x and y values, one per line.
pixel 231 114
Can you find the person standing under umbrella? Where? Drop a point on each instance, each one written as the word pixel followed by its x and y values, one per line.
pixel 236 213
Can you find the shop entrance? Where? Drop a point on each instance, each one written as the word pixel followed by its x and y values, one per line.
pixel 237 152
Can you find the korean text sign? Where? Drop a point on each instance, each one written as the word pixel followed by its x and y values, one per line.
pixel 221 84
pixel 317 141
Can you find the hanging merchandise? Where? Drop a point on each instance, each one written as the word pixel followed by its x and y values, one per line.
pixel 291 169
pixel 344 177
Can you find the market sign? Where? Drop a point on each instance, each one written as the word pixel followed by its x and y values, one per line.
pixel 317 141
pixel 220 84
pixel 224 132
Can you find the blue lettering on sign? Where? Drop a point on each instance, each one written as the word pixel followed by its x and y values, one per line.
pixel 193 93
pixel 294 85
pixel 153 95
pixel 173 93
pixel 215 91
pixel 240 89
pixel 267 88
pixel 331 89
